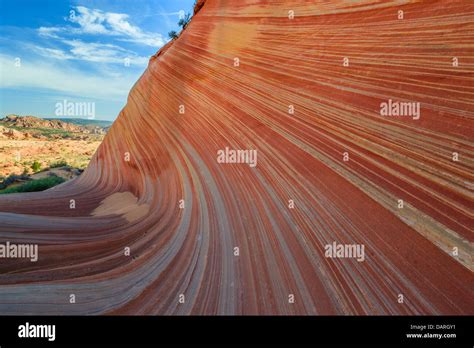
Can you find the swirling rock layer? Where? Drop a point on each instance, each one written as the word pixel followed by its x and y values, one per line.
pixel 155 185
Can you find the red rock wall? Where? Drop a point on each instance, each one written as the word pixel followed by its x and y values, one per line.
pixel 173 157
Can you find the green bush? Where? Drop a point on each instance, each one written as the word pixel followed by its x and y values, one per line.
pixel 183 22
pixel 173 35
pixel 58 164
pixel 35 185
pixel 36 166
pixel 12 178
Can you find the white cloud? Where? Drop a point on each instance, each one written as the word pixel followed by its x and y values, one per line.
pixel 95 52
pixel 97 22
pixel 49 32
pixel 90 21
pixel 52 53
pixel 105 53
pixel 54 77
pixel 92 52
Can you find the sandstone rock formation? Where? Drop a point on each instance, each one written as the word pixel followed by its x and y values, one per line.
pixel 9 133
pixel 36 122
pixel 301 82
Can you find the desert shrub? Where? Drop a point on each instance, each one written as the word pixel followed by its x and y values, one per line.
pixel 58 164
pixel 35 185
pixel 12 178
pixel 173 35
pixel 183 22
pixel 36 166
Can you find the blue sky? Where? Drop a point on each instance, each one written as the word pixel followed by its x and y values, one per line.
pixel 89 51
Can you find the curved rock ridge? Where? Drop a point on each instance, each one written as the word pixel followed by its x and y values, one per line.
pixel 343 200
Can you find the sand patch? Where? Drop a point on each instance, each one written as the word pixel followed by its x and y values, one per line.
pixel 122 203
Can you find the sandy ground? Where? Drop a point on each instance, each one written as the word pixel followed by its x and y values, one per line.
pixel 16 155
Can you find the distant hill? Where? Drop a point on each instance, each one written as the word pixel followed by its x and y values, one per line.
pixel 54 127
pixel 44 148
pixel 83 121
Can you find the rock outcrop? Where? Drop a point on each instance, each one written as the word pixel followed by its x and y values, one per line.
pixel 9 133
pixel 36 122
pixel 157 225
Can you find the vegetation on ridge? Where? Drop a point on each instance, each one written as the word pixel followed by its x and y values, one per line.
pixel 35 185
pixel 183 23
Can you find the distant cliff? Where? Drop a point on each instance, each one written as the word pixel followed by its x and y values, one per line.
pixel 19 127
